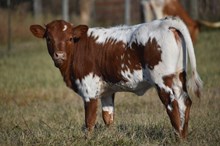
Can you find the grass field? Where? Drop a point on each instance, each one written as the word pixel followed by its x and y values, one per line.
pixel 36 108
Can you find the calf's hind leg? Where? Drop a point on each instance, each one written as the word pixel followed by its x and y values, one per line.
pixel 174 96
pixel 187 101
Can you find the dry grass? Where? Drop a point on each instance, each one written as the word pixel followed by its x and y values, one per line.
pixel 37 109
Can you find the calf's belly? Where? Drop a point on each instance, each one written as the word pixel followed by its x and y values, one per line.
pixel 138 88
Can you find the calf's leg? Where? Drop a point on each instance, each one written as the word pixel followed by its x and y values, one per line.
pixel 187 102
pixel 174 96
pixel 90 113
pixel 108 109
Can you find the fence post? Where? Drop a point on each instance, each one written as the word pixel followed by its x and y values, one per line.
pixel 9 24
pixel 37 7
pixel 127 12
pixel 65 10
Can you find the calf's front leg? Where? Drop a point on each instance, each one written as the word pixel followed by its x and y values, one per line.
pixel 90 114
pixel 108 109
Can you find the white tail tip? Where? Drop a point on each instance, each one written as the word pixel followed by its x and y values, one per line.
pixel 195 84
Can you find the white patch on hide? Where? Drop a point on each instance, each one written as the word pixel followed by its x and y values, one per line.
pixel 182 108
pixel 108 109
pixel 90 86
pixel 133 78
pixel 180 97
pixel 118 33
pixel 122 56
pixel 122 65
pixel 170 108
pixel 129 62
pixel 108 105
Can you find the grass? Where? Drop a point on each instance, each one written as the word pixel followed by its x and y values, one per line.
pixel 36 108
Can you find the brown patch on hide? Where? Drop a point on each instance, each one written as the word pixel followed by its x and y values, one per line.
pixel 168 80
pixel 152 54
pixel 164 96
pixel 182 77
pixel 106 59
pixel 174 115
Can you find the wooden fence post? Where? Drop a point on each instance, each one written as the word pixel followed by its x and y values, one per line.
pixel 127 12
pixel 65 9
pixel 9 24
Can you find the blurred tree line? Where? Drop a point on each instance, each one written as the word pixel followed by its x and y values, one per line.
pixel 39 8
pixel 48 6
pixel 86 9
pixel 92 12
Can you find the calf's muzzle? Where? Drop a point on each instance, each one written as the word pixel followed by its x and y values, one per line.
pixel 59 57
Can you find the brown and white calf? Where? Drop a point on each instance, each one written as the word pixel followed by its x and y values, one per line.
pixel 98 62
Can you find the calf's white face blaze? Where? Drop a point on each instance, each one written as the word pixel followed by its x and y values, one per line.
pixel 64 27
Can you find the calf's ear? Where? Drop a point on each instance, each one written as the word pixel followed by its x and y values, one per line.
pixel 79 31
pixel 37 31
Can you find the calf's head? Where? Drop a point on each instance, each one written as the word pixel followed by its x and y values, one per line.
pixel 60 36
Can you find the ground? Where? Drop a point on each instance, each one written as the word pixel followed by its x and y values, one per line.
pixel 36 108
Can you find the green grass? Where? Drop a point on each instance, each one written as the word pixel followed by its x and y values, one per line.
pixel 36 108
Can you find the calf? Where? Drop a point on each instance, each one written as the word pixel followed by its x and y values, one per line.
pixel 98 62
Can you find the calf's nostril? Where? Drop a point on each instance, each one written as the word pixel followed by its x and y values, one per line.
pixel 55 54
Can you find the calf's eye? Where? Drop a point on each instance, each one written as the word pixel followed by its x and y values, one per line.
pixel 48 39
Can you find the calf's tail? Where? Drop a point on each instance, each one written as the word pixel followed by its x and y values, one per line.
pixel 195 83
